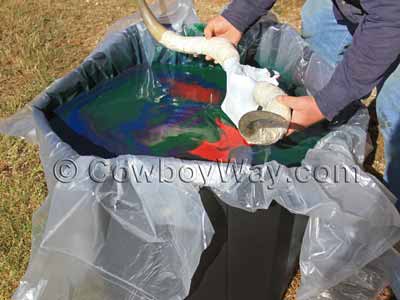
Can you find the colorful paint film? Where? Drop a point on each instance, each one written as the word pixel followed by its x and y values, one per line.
pixel 165 110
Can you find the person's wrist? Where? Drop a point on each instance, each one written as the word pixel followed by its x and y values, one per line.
pixel 324 106
pixel 320 114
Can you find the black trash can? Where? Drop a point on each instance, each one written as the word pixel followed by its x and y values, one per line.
pixel 252 255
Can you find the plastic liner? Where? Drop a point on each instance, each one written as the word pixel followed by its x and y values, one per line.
pixel 75 251
pixel 365 284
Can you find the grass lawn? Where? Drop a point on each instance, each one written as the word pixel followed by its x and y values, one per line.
pixel 41 40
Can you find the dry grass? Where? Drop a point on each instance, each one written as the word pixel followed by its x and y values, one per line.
pixel 41 40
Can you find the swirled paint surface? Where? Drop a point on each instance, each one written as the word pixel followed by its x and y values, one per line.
pixel 168 111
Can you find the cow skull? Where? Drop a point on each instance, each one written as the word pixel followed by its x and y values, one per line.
pixel 248 88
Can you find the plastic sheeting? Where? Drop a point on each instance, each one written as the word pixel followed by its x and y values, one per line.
pixel 78 252
pixel 365 284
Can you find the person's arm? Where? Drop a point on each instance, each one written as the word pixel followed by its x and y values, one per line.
pixel 243 13
pixel 375 47
pixel 236 18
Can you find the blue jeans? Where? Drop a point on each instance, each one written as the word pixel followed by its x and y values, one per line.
pixel 330 40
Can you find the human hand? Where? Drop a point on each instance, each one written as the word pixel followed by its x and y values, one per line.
pixel 221 27
pixel 305 112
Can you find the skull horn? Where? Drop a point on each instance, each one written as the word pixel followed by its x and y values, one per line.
pixel 269 125
pixel 220 49
pixel 155 28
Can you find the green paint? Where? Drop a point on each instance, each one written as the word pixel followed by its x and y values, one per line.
pixel 138 113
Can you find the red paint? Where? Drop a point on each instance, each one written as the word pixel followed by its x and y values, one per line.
pixel 195 92
pixel 220 150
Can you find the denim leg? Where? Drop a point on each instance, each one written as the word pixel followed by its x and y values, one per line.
pixel 322 31
pixel 388 111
